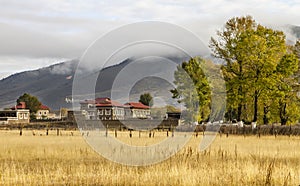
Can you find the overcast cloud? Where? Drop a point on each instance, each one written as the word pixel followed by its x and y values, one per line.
pixel 36 33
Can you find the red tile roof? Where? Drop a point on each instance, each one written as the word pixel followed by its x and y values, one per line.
pixel 107 102
pixel 44 107
pixel 137 105
pixel 22 105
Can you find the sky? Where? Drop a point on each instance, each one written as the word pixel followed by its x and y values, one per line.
pixel 38 33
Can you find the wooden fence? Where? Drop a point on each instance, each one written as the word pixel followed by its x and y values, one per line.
pixel 165 125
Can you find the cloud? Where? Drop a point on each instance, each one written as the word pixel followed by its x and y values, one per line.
pixel 14 64
pixel 59 29
pixel 66 68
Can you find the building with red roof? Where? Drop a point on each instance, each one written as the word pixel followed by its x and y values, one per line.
pixel 107 109
pixel 103 109
pixel 42 113
pixel 137 110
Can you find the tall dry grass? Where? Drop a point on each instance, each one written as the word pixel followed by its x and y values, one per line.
pixel 68 160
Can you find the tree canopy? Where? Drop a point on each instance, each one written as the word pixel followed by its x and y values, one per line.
pixel 260 71
pixel 146 99
pixel 192 89
pixel 32 102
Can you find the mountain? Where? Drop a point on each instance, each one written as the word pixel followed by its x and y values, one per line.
pixel 53 84
pixel 295 31
pixel 50 84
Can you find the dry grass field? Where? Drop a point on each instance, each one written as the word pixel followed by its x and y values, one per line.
pixel 68 160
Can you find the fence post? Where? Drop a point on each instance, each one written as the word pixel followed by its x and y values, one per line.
pixel 116 134
pixel 57 131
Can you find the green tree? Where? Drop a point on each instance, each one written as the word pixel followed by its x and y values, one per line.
pixel 228 48
pixel 261 49
pixel 146 99
pixel 192 89
pixel 287 88
pixel 32 102
pixel 257 60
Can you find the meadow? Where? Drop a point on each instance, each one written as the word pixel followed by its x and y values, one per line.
pixel 68 160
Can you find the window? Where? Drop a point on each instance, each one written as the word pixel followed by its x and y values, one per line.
pixel 100 111
pixel 21 116
pixel 25 116
pixel 107 112
pixel 90 106
pixel 45 113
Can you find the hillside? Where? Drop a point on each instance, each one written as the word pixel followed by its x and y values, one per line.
pixel 54 83
pixel 296 31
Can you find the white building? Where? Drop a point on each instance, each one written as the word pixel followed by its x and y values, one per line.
pixel 107 109
pixel 20 116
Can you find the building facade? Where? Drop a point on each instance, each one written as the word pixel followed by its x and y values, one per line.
pixel 43 113
pixel 107 109
pixel 102 109
pixel 137 110
pixel 20 116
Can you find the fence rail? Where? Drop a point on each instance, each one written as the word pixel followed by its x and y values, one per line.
pixel 165 125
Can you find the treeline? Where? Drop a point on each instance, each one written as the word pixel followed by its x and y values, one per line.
pixel 261 73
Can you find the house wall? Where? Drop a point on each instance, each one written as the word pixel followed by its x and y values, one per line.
pixel 110 113
pixel 16 116
pixel 140 113
pixel 42 114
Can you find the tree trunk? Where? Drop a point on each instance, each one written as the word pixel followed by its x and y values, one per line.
pixel 283 117
pixel 255 113
pixel 240 93
pixel 239 113
pixel 266 111
pixel 240 104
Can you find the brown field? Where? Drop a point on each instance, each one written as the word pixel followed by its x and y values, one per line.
pixel 68 160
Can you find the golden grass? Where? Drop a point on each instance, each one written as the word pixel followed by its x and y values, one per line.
pixel 68 160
